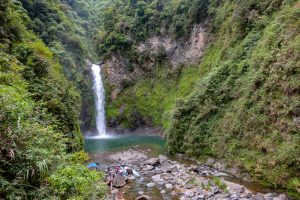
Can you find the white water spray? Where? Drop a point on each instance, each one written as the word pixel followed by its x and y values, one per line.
pixel 99 100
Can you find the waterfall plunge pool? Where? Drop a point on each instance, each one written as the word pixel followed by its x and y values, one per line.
pixel 116 143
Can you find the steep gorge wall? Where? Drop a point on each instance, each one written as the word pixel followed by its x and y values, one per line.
pixel 235 98
pixel 121 81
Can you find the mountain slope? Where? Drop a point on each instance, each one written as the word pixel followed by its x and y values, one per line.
pixel 246 108
pixel 40 142
pixel 240 103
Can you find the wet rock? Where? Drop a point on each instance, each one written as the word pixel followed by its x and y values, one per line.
pixel 150 185
pixel 169 186
pixel 259 196
pixel 119 181
pixel 162 159
pixel 144 197
pixel 152 161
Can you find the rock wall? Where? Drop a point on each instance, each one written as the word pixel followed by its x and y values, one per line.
pixel 178 52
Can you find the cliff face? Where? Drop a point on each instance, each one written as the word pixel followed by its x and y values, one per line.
pixel 171 55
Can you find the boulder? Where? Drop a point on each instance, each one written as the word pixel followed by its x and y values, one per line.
pixel 194 168
pixel 258 196
pixel 188 186
pixel 144 197
pixel 162 159
pixel 269 196
pixel 152 161
pixel 210 161
pixel 148 168
pixel 189 193
pixel 150 185
pixel 157 178
pixel 169 186
pixel 281 197
pixel 119 181
pixel 240 190
pixel 234 196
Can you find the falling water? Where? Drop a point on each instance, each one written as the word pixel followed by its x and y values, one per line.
pixel 99 100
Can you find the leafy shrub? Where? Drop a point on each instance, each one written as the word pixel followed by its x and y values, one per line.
pixel 77 181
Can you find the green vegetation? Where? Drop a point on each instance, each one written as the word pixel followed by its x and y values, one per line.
pixel 127 22
pixel 241 103
pixel 39 114
pixel 244 108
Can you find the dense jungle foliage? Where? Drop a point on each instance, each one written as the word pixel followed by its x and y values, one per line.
pixel 41 144
pixel 240 104
pixel 245 108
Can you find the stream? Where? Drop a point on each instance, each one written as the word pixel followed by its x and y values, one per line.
pixel 102 150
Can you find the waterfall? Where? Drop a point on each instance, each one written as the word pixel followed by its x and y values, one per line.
pixel 99 100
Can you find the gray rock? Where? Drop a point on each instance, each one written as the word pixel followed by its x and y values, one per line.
pixel 269 196
pixel 169 186
pixel 131 178
pixel 240 190
pixel 210 161
pixel 194 168
pixel 234 196
pixel 162 159
pixel 157 178
pixel 188 186
pixel 210 194
pixel 114 191
pixel 297 120
pixel 148 168
pixel 152 161
pixel 150 185
pixel 189 193
pixel 144 197
pixel 162 191
pixel 283 197
pixel 216 190
pixel 119 181
pixel 258 196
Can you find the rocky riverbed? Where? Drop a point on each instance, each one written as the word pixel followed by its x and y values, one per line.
pixel 161 178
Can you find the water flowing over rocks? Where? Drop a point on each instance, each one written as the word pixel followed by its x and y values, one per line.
pixel 174 180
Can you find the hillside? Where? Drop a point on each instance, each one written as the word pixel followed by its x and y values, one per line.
pixel 41 144
pixel 236 100
pixel 219 78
